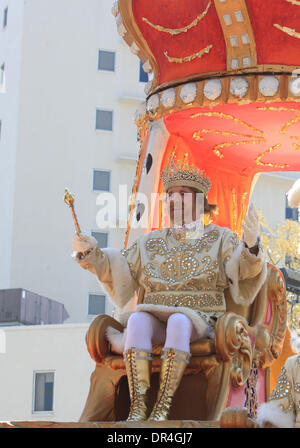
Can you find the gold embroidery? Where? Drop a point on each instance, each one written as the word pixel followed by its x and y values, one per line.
pixel 228 117
pixel 180 268
pixel 189 58
pixel 158 246
pixel 290 31
pixel 296 145
pixel 175 31
pixel 216 150
pixel 195 302
pixel 283 389
pixel 291 122
pixel 273 165
pixel 125 253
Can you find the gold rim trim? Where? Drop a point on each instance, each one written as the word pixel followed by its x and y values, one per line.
pixel 157 106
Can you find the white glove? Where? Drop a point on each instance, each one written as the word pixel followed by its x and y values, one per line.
pixel 83 243
pixel 251 227
pixel 294 195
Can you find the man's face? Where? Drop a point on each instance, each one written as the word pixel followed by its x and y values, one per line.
pixel 181 203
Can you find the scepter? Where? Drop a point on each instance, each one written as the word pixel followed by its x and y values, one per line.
pixel 69 200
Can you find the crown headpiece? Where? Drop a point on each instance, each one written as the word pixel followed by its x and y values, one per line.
pixel 182 173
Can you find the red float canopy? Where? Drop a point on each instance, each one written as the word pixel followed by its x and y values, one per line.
pixel 233 143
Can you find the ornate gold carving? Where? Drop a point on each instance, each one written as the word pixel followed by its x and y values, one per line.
pixel 96 341
pixel 290 31
pixel 198 54
pixel 273 165
pixel 175 31
pixel 233 343
pixel 235 417
pixel 270 337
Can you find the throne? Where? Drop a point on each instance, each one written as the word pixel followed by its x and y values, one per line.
pixel 231 370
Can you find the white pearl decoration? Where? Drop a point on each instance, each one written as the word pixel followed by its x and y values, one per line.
pixel 188 93
pixel 213 89
pixel 268 85
pixel 168 98
pixel 239 87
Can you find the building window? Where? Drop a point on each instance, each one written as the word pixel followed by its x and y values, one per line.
pixel 43 391
pixel 291 213
pixel 143 74
pixel 106 60
pixel 96 304
pixel 101 180
pixel 102 238
pixel 5 14
pixel 104 120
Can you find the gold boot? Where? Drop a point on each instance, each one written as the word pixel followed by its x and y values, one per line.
pixel 138 367
pixel 173 365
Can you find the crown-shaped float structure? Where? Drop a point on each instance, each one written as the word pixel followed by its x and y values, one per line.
pixel 215 40
pixel 224 86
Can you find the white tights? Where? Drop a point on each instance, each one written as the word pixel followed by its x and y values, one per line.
pixel 144 329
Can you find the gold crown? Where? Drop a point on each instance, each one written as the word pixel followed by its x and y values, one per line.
pixel 181 173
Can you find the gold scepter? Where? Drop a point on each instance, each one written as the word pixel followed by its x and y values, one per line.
pixel 69 200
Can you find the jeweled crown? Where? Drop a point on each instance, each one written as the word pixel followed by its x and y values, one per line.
pixel 183 173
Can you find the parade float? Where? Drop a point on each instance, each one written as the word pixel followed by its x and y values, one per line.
pixel 224 91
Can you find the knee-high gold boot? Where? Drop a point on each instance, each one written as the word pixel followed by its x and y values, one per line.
pixel 173 365
pixel 138 367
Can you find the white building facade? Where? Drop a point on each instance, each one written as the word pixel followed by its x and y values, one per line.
pixel 67 117
pixel 44 372
pixel 68 94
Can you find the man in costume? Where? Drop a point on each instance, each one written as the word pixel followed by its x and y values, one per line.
pixel 183 272
pixel 282 409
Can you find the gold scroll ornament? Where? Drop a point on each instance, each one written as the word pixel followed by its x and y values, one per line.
pixel 175 31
